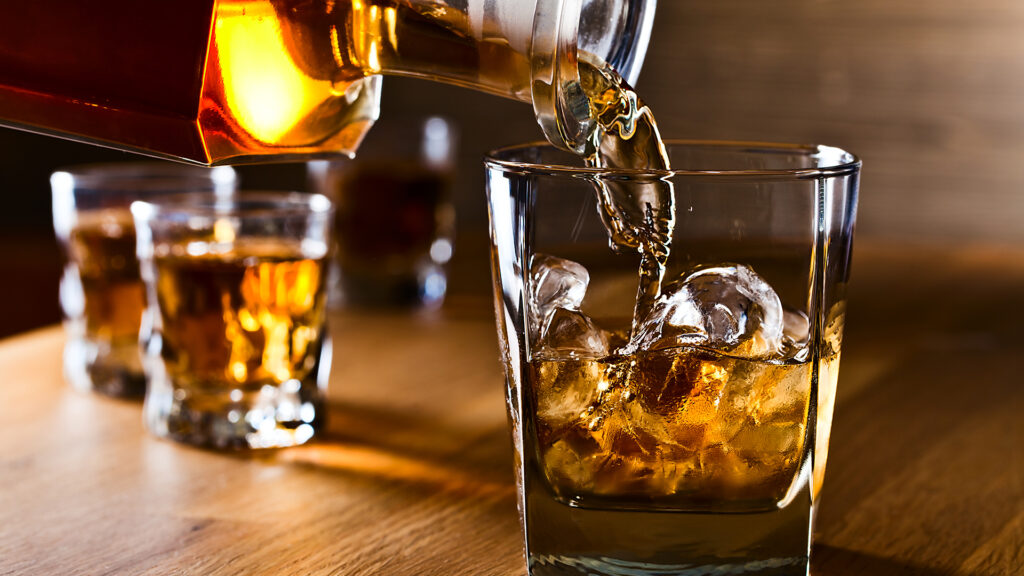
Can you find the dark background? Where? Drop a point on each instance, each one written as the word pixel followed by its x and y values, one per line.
pixel 929 94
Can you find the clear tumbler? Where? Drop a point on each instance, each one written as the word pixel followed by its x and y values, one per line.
pixel 101 292
pixel 674 422
pixel 237 351
pixel 394 219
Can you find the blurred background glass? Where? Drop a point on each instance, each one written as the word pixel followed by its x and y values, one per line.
pixel 101 291
pixel 930 99
pixel 395 222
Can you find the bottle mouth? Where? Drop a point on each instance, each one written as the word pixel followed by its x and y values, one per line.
pixel 617 32
pixel 623 42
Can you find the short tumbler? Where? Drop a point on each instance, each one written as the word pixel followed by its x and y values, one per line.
pixel 101 293
pixel 394 219
pixel 674 424
pixel 237 353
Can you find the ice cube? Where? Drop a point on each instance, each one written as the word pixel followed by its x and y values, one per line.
pixel 675 320
pixel 564 390
pixel 796 333
pixel 571 462
pixel 556 283
pixel 741 311
pixel 729 308
pixel 571 334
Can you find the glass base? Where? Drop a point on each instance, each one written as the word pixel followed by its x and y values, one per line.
pixel 273 416
pixel 111 370
pixel 564 541
pixel 237 417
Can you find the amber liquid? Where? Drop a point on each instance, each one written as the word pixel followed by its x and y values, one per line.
pixel 638 214
pixel 659 462
pixel 251 317
pixel 102 245
pixel 243 344
pixel 686 429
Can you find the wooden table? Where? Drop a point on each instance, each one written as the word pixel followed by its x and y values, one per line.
pixel 926 470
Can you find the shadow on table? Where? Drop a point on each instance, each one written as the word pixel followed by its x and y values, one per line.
pixel 413 449
pixel 832 561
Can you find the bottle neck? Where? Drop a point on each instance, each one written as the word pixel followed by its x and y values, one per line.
pixel 528 50
pixel 484 46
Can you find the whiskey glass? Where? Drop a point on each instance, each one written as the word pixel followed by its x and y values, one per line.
pixel 237 350
pixel 101 291
pixel 394 217
pixel 688 435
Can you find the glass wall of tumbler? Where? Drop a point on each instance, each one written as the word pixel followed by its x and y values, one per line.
pixel 671 341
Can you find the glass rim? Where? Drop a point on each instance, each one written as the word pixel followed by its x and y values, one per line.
pixel 846 163
pixel 266 204
pixel 99 175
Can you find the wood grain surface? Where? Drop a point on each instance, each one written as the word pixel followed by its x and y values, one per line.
pixel 926 470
